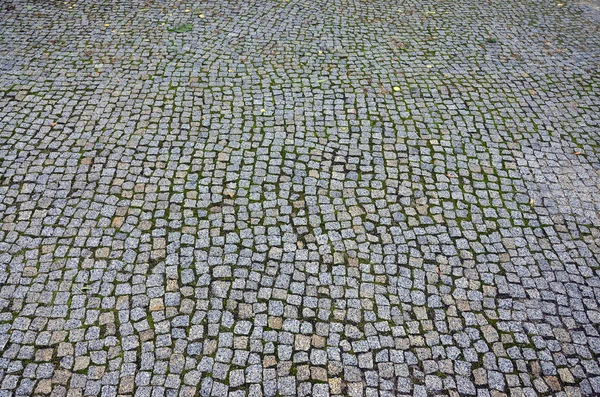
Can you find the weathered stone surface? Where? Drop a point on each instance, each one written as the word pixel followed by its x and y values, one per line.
pixel 299 198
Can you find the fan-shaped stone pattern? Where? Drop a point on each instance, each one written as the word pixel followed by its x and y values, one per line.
pixel 299 198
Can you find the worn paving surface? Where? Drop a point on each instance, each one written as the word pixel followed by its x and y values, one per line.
pixel 303 197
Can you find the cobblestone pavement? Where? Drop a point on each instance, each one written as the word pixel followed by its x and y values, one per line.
pixel 299 198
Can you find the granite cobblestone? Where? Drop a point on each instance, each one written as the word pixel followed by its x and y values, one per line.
pixel 299 198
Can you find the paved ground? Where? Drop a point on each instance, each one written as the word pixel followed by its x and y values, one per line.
pixel 300 197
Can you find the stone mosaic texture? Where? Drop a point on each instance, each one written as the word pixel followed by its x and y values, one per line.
pixel 299 198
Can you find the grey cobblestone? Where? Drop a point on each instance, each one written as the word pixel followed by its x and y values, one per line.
pixel 299 198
